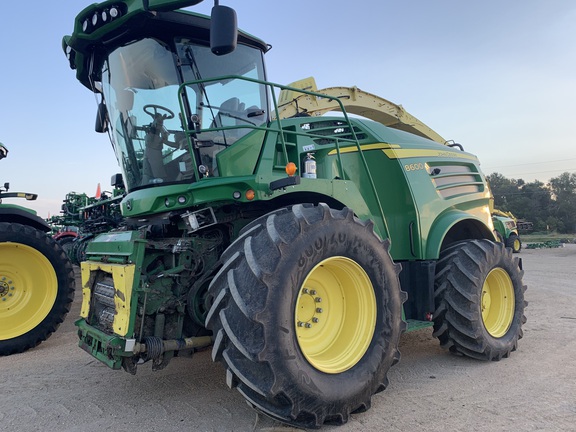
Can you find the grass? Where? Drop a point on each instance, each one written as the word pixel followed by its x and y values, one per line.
pixel 546 237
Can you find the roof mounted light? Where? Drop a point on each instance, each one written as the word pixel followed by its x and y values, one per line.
pixel 101 17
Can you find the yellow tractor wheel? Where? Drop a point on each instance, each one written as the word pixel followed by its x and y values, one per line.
pixel 36 287
pixel 479 299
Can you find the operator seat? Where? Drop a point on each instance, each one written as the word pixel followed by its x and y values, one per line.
pixel 230 106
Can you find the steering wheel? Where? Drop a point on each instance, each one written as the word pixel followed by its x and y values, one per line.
pixel 156 110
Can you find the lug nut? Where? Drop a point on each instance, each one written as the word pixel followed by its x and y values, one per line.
pixel 319 310
pixel 305 290
pixel 308 325
pixel 300 324
pixel 314 320
pixel 318 299
pixel 313 292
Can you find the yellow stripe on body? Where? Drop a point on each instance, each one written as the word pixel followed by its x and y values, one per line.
pixel 400 153
pixel 365 147
pixel 394 151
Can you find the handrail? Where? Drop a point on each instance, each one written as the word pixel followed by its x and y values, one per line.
pixel 277 119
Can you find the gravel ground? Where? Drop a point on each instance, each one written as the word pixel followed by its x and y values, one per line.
pixel 58 387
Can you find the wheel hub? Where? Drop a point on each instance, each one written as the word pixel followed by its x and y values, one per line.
pixel 497 303
pixel 28 289
pixel 486 301
pixel 308 313
pixel 335 315
pixel 6 288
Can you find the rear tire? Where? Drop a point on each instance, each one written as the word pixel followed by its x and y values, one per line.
pixel 36 287
pixel 514 243
pixel 479 298
pixel 306 313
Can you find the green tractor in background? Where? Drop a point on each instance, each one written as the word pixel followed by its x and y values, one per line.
pixel 299 245
pixel 506 230
pixel 65 225
pixel 83 217
pixel 36 277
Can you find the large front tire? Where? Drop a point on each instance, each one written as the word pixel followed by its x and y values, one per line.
pixel 36 287
pixel 479 298
pixel 306 313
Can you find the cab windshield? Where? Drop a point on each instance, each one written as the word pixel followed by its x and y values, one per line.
pixel 141 89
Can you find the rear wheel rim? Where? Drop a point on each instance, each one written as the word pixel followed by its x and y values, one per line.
pixel 28 289
pixel 335 315
pixel 497 302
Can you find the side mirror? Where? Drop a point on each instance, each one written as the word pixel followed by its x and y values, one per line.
pixel 117 181
pixel 101 125
pixel 223 30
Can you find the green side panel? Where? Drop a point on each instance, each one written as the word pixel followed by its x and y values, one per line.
pixel 348 193
pixel 443 187
pixel 394 196
pixel 241 158
pixel 395 199
pixel 123 244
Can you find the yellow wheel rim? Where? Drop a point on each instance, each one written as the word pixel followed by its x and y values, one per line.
pixel 497 302
pixel 28 289
pixel 516 245
pixel 335 315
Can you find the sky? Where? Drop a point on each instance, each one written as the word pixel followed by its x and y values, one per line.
pixel 498 77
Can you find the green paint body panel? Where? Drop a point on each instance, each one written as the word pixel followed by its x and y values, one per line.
pixel 10 207
pixel 420 194
pixel 108 349
pixel 123 245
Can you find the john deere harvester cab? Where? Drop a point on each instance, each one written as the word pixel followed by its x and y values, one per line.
pixel 36 278
pixel 299 245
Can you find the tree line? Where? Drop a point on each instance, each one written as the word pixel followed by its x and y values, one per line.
pixel 550 206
